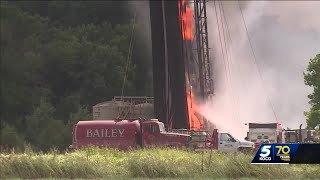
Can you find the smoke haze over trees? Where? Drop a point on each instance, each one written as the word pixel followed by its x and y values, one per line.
pixel 58 59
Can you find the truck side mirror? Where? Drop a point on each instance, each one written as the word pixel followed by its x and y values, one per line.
pixel 246 138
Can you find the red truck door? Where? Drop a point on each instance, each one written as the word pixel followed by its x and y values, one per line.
pixel 151 134
pixel 214 139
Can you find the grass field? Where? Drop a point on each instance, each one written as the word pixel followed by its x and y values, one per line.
pixel 144 164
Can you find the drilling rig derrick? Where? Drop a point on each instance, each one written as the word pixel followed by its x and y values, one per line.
pixel 202 49
pixel 182 76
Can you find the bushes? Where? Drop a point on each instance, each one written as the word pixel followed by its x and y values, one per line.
pixel 9 138
pixel 145 163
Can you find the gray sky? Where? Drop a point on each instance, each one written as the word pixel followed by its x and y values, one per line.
pixel 284 36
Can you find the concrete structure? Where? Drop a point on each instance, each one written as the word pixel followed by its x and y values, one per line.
pixel 124 107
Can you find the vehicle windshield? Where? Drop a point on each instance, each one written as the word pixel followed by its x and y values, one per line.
pixel 231 137
pixel 161 127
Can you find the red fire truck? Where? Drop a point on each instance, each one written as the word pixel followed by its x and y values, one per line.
pixel 126 134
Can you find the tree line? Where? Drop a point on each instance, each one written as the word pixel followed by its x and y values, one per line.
pixel 58 59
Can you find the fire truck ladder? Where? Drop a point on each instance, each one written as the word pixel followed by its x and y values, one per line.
pixel 202 48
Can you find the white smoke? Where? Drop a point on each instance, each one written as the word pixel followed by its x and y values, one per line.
pixel 284 36
pixel 140 9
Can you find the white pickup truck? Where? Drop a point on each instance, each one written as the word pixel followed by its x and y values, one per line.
pixel 221 141
pixel 225 142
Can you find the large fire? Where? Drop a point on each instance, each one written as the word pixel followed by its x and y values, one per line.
pixel 193 112
pixel 186 20
pixel 186 17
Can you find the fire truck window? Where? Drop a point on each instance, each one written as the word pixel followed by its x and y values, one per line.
pixel 259 137
pixel 153 128
pixel 161 127
pixel 265 137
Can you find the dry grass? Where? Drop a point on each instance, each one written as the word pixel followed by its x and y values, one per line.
pixel 146 163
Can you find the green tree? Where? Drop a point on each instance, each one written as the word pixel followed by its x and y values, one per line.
pixel 10 138
pixel 312 78
pixel 75 13
pixel 19 60
pixel 73 55
pixel 81 114
pixel 43 131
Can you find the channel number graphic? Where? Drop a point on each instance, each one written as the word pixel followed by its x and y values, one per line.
pixel 282 151
pixel 265 152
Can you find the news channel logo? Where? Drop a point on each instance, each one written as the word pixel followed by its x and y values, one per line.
pixel 275 154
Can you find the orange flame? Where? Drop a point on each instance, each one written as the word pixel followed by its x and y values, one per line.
pixel 186 17
pixel 194 120
pixel 186 20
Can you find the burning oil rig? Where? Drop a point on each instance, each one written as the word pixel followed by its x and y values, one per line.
pixel 182 73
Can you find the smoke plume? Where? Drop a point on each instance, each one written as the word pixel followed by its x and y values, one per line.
pixel 142 51
pixel 284 36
